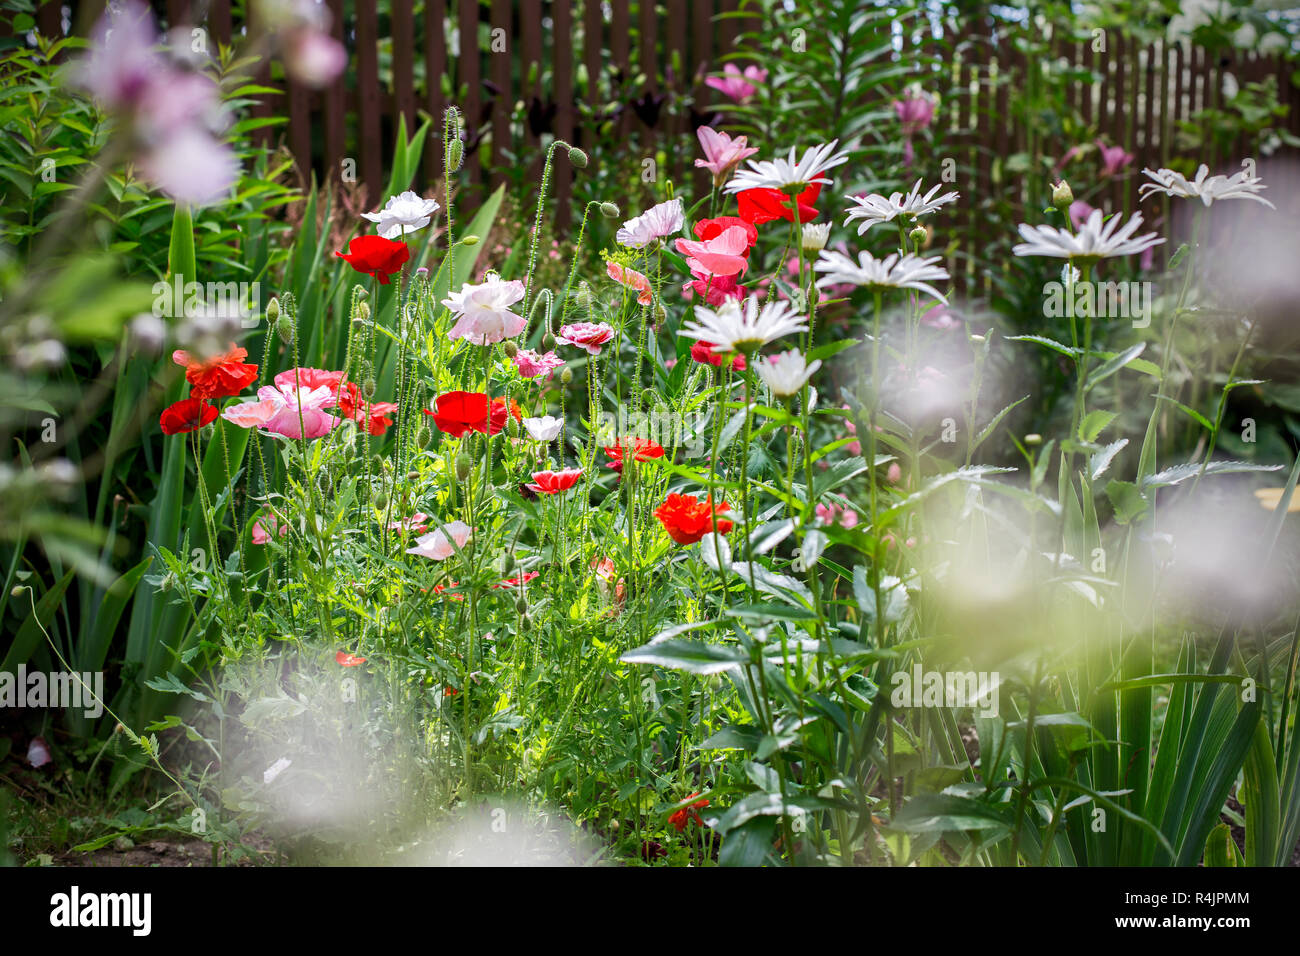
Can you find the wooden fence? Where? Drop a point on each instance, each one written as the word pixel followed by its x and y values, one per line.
pixel 523 70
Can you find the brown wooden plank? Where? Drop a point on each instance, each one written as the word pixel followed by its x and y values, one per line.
pixel 219 23
pixel 618 49
pixel 178 12
pixel 469 79
pixel 677 80
pixel 701 39
pixel 562 68
pixel 503 98
pixel 533 93
pixel 300 125
pixel 403 31
pixel 593 26
pixel 369 104
pixel 49 19
pixel 333 106
pixel 1118 113
pixel 435 68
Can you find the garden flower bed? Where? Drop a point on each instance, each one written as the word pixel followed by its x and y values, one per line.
pixel 741 522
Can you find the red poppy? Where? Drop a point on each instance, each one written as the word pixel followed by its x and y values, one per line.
pixel 449 692
pixel 715 289
pixel 687 519
pixel 554 482
pixel 764 205
pixel 439 588
pixel 703 353
pixel 375 416
pixel 498 420
pixel 688 813
pixel 515 582
pixel 642 449
pixel 218 377
pixel 707 229
pixel 187 415
pixel 460 412
pixel 348 660
pixel 376 256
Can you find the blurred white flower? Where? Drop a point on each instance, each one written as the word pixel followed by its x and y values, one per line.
pixel 1204 187
pixel 786 373
pixel 277 768
pixel 1095 240
pixel 876 209
pixel 815 236
pixel 787 174
pixel 403 213
pixel 909 272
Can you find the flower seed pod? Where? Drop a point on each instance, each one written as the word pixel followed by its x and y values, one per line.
pixel 566 377
pixel 609 210
pixel 284 328
pixel 463 466
pixel 510 348
pixel 577 157
pixel 548 341
pixel 412 476
pixel 1062 196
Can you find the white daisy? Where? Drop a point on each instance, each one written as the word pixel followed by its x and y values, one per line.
pixel 786 373
pixel 1204 187
pixel 909 272
pixel 783 174
pixel 737 328
pixel 403 213
pixel 1095 240
pixel 875 209
pixel 656 222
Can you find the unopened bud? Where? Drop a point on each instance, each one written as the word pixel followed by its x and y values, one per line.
pixel 455 153
pixel 412 476
pixel 273 309
pixel 548 341
pixel 381 502
pixel 609 210
pixel 368 389
pixel 284 328
pixel 423 437
pixel 521 605
pixel 363 311
pixel 1062 196
pixel 511 349
pixel 577 157
pixel 1033 438
pixel 566 376
pixel 918 236
pixel 512 426
pixel 463 466
pixel 470 240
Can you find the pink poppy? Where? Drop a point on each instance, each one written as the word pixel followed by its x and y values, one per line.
pixel 530 364
pixel 589 336
pixel 266 525
pixel 633 280
pixel 723 255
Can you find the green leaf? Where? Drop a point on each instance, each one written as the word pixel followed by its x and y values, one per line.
pixel 694 657
pixel 1109 368
pixel 1094 423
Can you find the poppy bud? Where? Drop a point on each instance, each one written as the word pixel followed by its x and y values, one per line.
pixel 1062 196
pixel 363 311
pixel 17 591
pixel 412 476
pixel 609 210
pixel 463 466
pixel 566 377
pixel 521 605
pixel 577 157
pixel 470 240
pixel 368 389
pixel 455 153
pixel 548 341
pixel 273 309
pixel 381 501
pixel 512 426
pixel 423 436
pixel 507 563
pixel 510 348
pixel 661 314
pixel 284 328
pixel 524 624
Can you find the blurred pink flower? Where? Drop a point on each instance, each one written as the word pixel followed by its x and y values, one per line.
pixel 915 111
pixel 1113 158
pixel 737 85
pixel 938 317
pixel 1079 213
pixel 722 154
pixel 837 514
pixel 265 525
